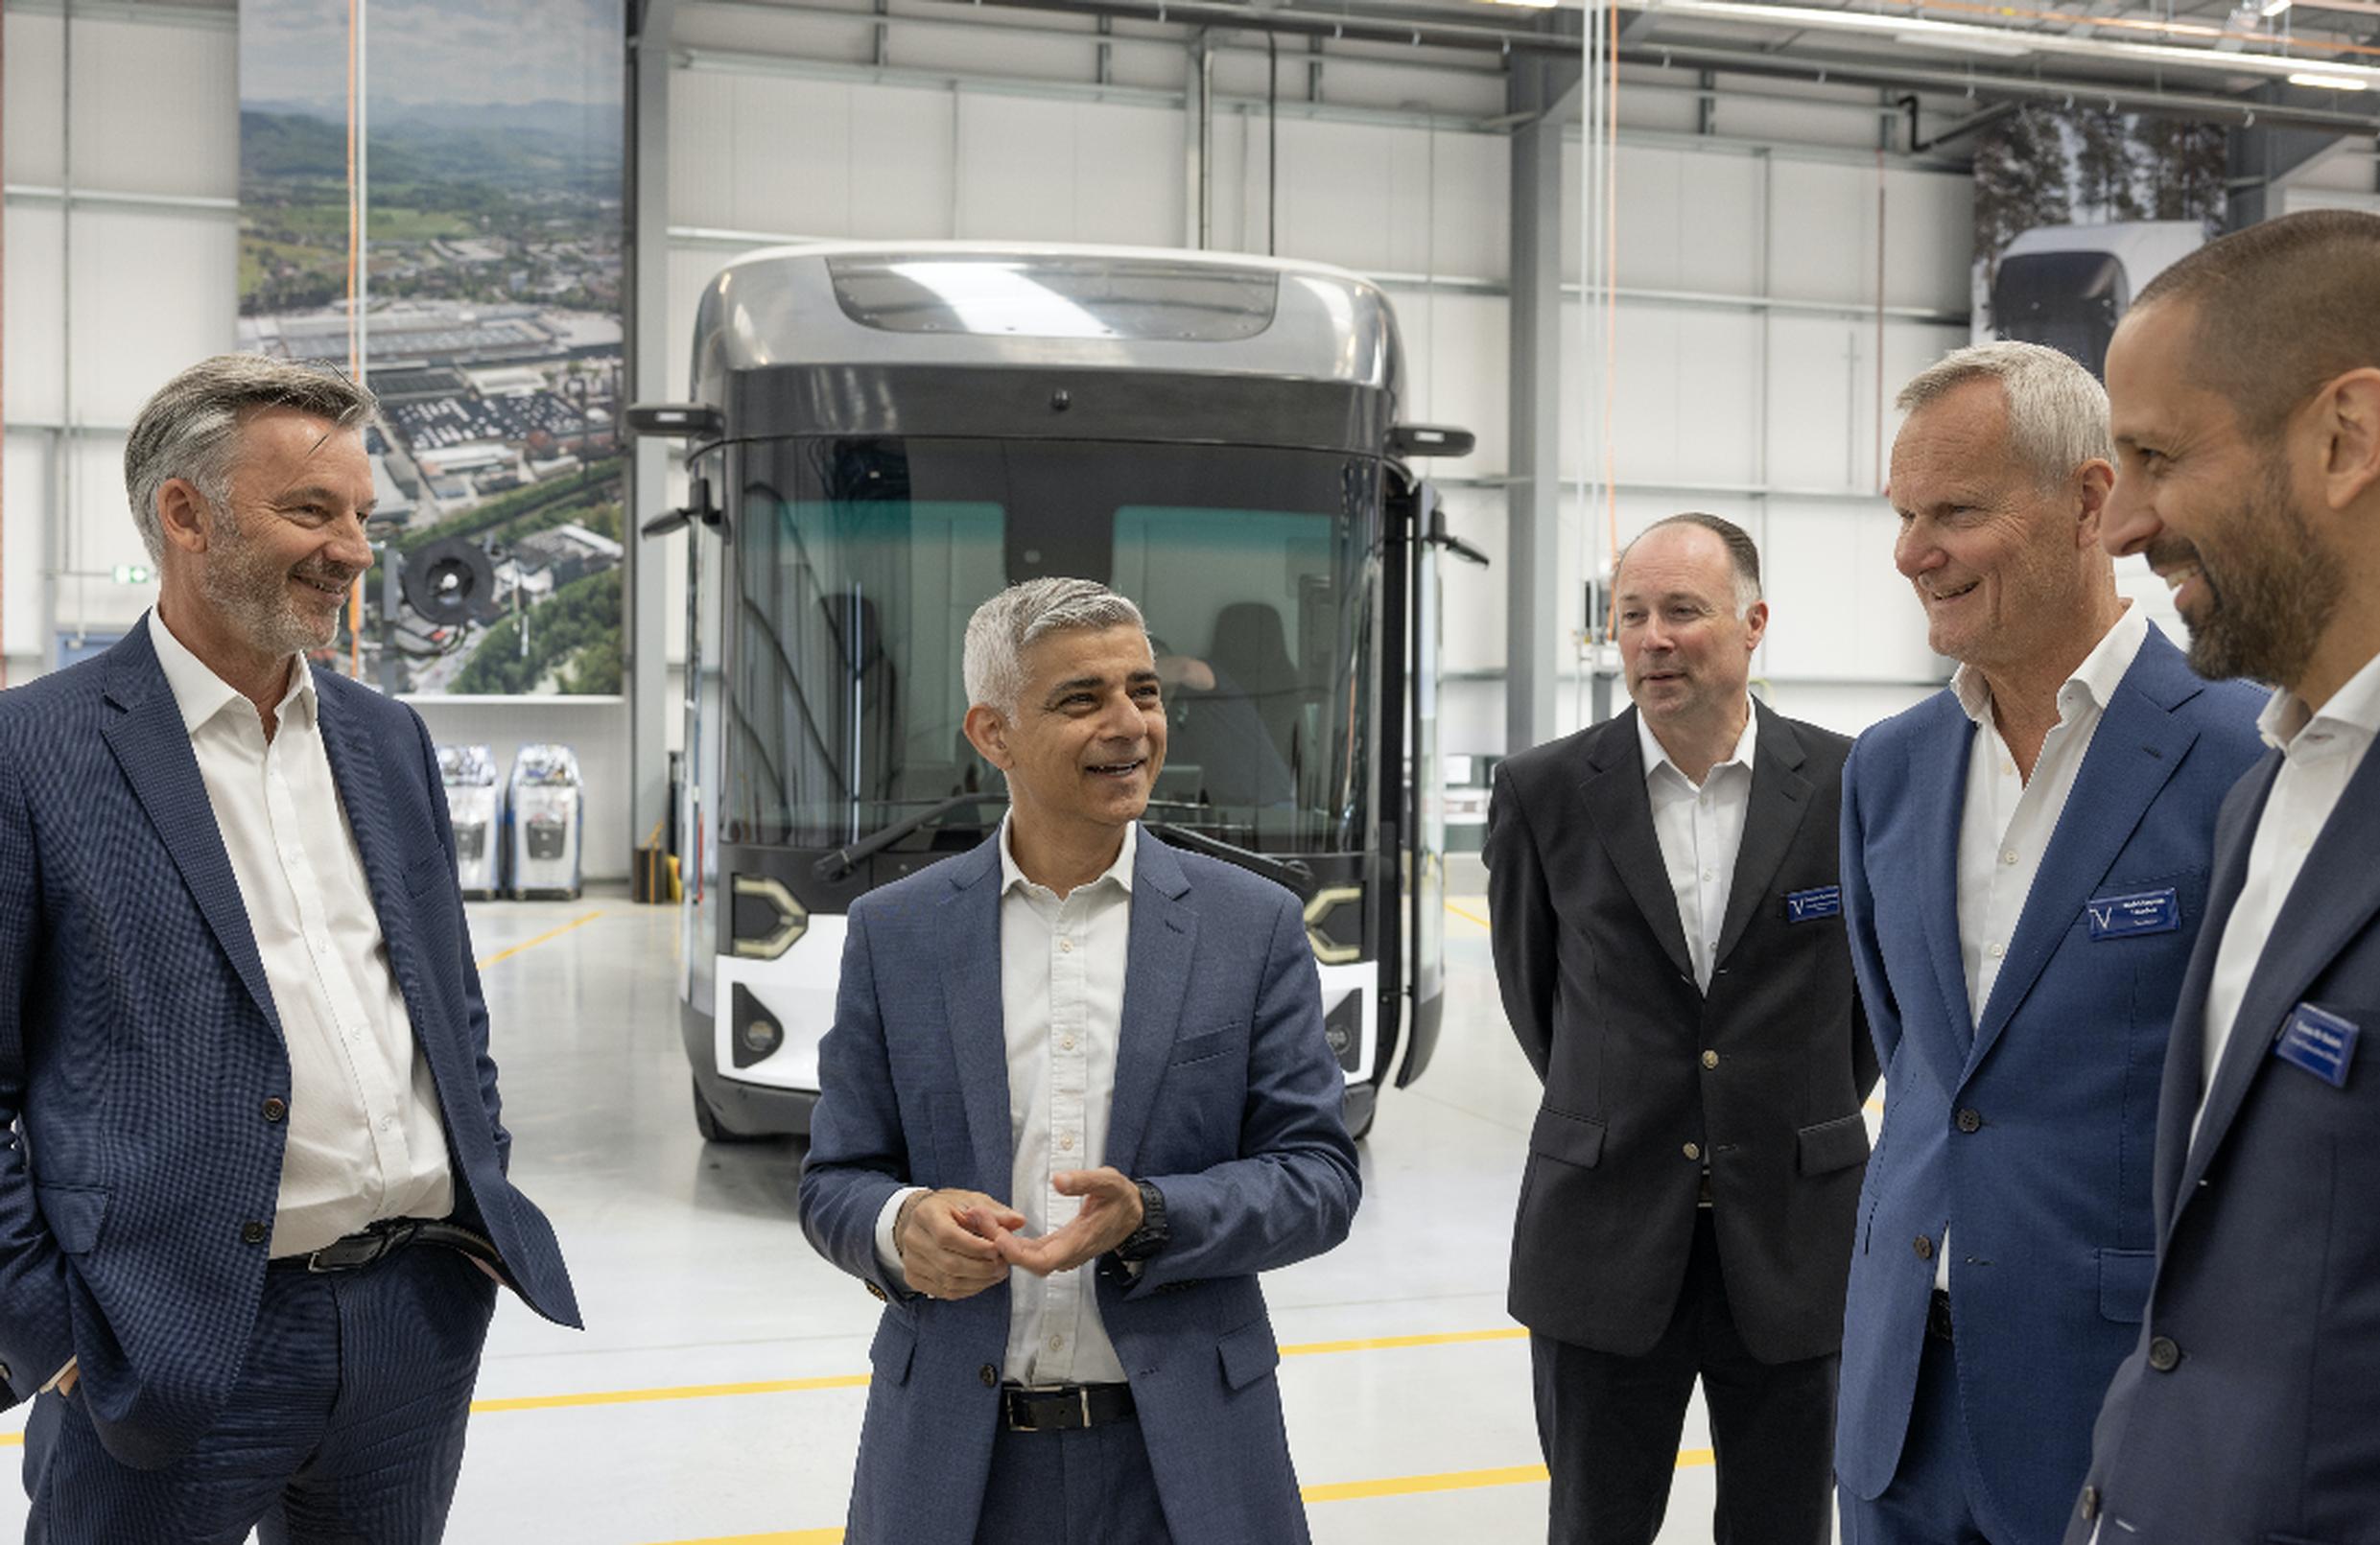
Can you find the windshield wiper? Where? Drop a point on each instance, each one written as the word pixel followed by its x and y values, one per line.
pixel 843 860
pixel 1290 872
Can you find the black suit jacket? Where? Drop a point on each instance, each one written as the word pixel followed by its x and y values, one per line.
pixel 1645 1077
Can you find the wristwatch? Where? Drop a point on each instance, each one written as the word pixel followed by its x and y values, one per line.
pixel 1151 1235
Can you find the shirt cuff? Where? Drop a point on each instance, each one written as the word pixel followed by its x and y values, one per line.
pixel 888 1254
pixel 58 1377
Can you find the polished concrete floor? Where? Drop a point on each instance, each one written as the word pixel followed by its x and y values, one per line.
pixel 715 1395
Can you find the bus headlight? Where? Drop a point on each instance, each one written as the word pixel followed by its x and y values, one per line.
pixel 765 919
pixel 1330 948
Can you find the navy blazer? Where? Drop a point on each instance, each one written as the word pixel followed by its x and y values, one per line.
pixel 2028 1134
pixel 2251 1408
pixel 139 1043
pixel 1227 1097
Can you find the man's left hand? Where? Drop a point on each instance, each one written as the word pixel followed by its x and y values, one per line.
pixel 1111 1209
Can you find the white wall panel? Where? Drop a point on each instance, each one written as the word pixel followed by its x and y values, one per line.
pixel 31 94
pixel 1843 612
pixel 153 291
pixel 1458 352
pixel 1688 219
pixel 34 322
pixel 188 144
pixel 25 489
pixel 1033 170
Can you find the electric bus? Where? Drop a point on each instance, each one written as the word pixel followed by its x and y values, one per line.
pixel 882 436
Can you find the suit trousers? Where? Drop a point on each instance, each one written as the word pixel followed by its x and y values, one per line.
pixel 1930 1501
pixel 1610 1427
pixel 347 1427
pixel 1087 1487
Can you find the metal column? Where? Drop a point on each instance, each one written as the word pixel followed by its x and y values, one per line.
pixel 1535 637
pixel 650 609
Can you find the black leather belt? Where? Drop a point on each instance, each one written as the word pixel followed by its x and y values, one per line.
pixel 386 1238
pixel 1060 1407
pixel 1938 1315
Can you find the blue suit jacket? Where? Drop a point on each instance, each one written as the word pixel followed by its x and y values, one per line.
pixel 2263 1425
pixel 1227 1098
pixel 2046 1199
pixel 138 1041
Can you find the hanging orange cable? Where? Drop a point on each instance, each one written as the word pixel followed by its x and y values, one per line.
pixel 355 348
pixel 1611 286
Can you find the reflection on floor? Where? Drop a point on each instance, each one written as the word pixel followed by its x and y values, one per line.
pixel 717 1396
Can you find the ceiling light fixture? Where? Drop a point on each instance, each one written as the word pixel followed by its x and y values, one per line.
pixel 2329 83
pixel 2273 7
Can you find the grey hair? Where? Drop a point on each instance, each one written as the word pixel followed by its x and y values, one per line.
pixel 190 428
pixel 2057 411
pixel 1002 629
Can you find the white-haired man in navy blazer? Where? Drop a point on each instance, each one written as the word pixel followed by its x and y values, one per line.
pixel 1077 1096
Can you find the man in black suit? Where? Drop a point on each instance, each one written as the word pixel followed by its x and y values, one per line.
pixel 1668 939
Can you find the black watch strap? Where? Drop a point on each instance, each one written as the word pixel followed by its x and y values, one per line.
pixel 1151 1235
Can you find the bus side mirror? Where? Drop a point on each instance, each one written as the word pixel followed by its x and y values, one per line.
pixel 1409 440
pixel 675 421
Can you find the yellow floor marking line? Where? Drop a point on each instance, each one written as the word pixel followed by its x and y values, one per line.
pixel 1396 1485
pixel 532 944
pixel 1469 917
pixel 1387 1344
pixel 686 1391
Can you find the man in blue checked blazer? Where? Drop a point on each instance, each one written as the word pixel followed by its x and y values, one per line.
pixel 1077 1096
pixel 254 1212
pixel 2024 867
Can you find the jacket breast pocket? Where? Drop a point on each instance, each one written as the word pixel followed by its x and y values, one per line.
pixel 1207 1044
pixel 74 1214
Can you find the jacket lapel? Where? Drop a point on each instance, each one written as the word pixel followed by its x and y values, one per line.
pixel 971 1004
pixel 2133 754
pixel 1157 981
pixel 2185 1085
pixel 2335 896
pixel 1937 780
pixel 1780 796
pixel 355 772
pixel 153 746
pixel 1622 812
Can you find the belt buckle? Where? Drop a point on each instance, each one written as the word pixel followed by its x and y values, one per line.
pixel 1082 1398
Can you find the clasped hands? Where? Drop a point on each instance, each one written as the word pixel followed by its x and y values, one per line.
pixel 953 1243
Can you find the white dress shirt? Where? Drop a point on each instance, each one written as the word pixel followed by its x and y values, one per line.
pixel 1700 829
pixel 1062 963
pixel 2319 754
pixel 2005 830
pixel 366 1139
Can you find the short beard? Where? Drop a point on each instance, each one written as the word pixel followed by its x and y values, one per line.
pixel 253 599
pixel 2277 594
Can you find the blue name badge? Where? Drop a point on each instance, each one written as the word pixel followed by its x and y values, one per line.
pixel 1807 906
pixel 2121 917
pixel 2320 1042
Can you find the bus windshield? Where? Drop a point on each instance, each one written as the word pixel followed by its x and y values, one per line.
pixel 858 562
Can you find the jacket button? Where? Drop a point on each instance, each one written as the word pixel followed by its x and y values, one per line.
pixel 1970 1121
pixel 2164 1355
pixel 1925 1248
pixel 2091 1502
pixel 1693 1150
pixel 1711 1059
pixel 990 1376
pixel 275 1108
pixel 253 1233
pixel 5 1375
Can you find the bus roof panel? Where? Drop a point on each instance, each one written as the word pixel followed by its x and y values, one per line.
pixel 986 305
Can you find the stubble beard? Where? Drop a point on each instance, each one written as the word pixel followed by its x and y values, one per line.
pixel 243 586
pixel 2273 601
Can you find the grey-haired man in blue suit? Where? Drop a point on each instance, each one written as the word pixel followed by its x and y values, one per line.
pixel 1077 1096
pixel 254 1210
